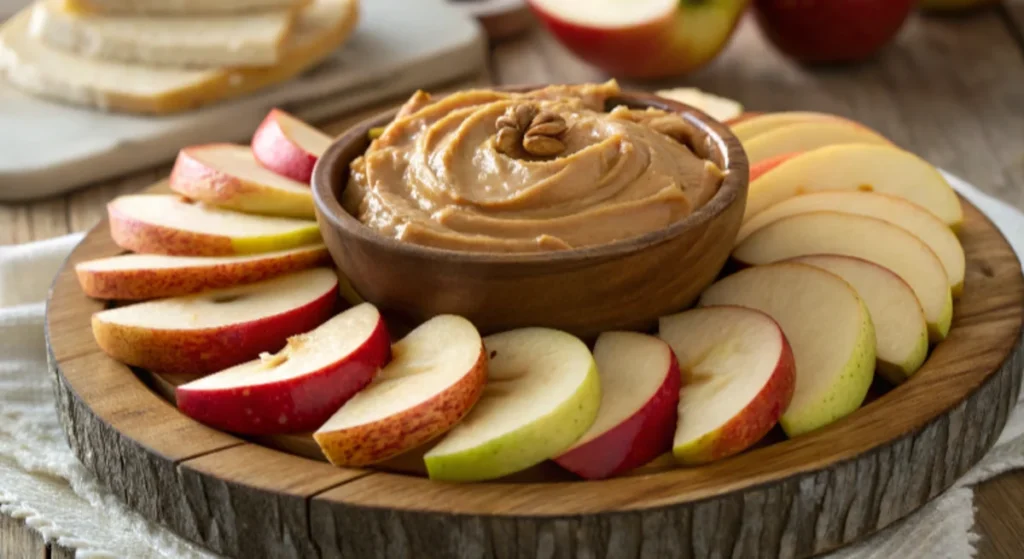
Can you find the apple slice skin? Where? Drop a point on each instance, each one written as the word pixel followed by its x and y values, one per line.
pixel 149 238
pixel 140 284
pixel 752 423
pixel 762 167
pixel 194 179
pixel 204 351
pixel 377 441
pixel 550 435
pixel 288 406
pixel 466 466
pixel 276 151
pixel 857 167
pixel 636 441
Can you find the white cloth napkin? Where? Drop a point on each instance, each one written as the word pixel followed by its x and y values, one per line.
pixel 43 483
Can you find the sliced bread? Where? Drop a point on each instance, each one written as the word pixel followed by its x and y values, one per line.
pixel 40 69
pixel 180 7
pixel 256 39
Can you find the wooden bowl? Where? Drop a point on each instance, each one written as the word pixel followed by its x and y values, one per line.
pixel 626 284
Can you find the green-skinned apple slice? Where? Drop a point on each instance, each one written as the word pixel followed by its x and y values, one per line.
pixel 542 394
pixel 829 328
pixel 828 232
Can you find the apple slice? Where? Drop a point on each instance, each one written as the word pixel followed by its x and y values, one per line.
pixel 766 165
pixel 542 395
pixel 809 135
pixel 896 211
pixel 827 232
pixel 884 169
pixel 718 108
pixel 901 332
pixel 298 388
pixel 749 128
pixel 639 393
pixel 826 324
pixel 288 146
pixel 207 332
pixel 641 38
pixel 228 176
pixel 167 224
pixel 149 276
pixel 739 378
pixel 436 374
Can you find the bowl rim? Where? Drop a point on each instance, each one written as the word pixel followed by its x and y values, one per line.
pixel 732 190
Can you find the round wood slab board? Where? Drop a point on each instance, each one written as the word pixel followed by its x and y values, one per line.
pixel 786 498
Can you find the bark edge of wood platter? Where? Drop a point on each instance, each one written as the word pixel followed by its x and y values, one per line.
pixel 795 498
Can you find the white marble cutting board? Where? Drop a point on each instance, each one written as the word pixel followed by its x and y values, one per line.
pixel 400 45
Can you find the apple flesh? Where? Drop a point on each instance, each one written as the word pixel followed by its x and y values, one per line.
pixel 828 327
pixel 752 125
pixel 436 374
pixel 288 146
pixel 167 224
pixel 642 38
pixel 892 247
pixel 806 136
pixel 149 276
pixel 901 332
pixel 204 333
pixel 867 168
pixel 228 176
pixel 897 211
pixel 542 395
pixel 299 387
pixel 739 378
pixel 640 382
pixel 718 108
pixel 830 31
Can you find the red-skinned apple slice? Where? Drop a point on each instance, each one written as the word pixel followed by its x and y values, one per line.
pixel 641 38
pixel 131 277
pixel 639 393
pixel 436 374
pixel 228 176
pixel 739 379
pixel 167 224
pixel 211 331
pixel 288 146
pixel 299 387
pixel 762 167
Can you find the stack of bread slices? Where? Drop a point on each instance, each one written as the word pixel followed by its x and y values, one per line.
pixel 165 56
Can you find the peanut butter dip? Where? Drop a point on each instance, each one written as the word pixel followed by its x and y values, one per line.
pixel 493 171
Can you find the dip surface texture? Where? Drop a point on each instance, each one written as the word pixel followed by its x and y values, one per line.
pixel 439 176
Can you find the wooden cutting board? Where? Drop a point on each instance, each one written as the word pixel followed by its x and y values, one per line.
pixel 275 497
pixel 401 45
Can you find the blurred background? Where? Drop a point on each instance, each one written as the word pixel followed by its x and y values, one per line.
pixel 100 94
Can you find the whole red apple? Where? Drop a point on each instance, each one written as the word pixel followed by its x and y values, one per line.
pixel 823 31
pixel 642 38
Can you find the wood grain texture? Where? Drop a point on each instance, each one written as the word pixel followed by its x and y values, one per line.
pixel 791 499
pixel 19 543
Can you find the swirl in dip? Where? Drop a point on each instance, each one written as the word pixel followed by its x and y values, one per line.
pixel 564 173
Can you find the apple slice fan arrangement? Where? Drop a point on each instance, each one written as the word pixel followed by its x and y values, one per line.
pixel 843 285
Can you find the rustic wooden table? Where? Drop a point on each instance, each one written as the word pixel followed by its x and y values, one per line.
pixel 950 89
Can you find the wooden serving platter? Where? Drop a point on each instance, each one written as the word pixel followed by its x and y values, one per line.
pixel 786 498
